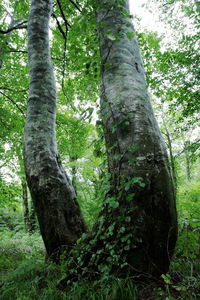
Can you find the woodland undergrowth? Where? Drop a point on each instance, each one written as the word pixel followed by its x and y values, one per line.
pixel 26 275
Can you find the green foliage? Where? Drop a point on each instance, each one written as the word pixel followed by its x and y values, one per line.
pixel 174 62
pixel 9 194
pixel 189 194
pixel 172 75
pixel 188 246
pixel 185 268
pixel 25 275
pixel 16 247
pixel 11 219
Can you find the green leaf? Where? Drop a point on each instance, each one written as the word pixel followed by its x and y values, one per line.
pixel 130 35
pixel 130 197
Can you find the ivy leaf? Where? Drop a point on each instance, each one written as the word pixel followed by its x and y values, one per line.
pixel 130 197
pixel 130 35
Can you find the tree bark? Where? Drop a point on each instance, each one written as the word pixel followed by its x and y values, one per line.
pixel 55 202
pixel 140 181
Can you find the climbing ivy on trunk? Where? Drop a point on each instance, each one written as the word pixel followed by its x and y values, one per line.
pixel 141 187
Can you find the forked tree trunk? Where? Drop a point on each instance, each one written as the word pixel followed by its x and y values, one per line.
pixel 58 212
pixel 141 194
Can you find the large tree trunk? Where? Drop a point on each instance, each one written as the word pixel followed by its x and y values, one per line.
pixel 58 212
pixel 141 194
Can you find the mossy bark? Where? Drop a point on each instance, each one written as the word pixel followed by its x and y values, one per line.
pixel 55 202
pixel 140 184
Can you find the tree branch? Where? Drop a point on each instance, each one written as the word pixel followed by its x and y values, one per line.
pixel 13 90
pixel 26 52
pixel 18 26
pixel 187 148
pixel 59 26
pixel 9 98
pixel 63 15
pixel 65 40
pixel 15 51
pixel 76 5
pixel 169 3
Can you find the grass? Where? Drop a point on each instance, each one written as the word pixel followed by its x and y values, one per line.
pixel 26 276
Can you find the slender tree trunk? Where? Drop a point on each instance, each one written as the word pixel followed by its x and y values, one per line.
pixel 188 163
pixel 25 206
pixel 171 156
pixel 74 171
pixel 32 218
pixel 55 202
pixel 141 191
pixel 188 167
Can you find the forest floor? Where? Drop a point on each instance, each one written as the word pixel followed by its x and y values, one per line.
pixel 26 276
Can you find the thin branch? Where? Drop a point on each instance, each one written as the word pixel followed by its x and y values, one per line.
pixel 26 52
pixel 64 59
pixel 55 58
pixel 65 41
pixel 15 51
pixel 169 3
pixel 13 28
pixel 18 26
pixel 1 166
pixel 187 148
pixel 76 5
pixel 7 13
pixel 13 90
pixel 9 98
pixel 59 26
pixel 63 15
